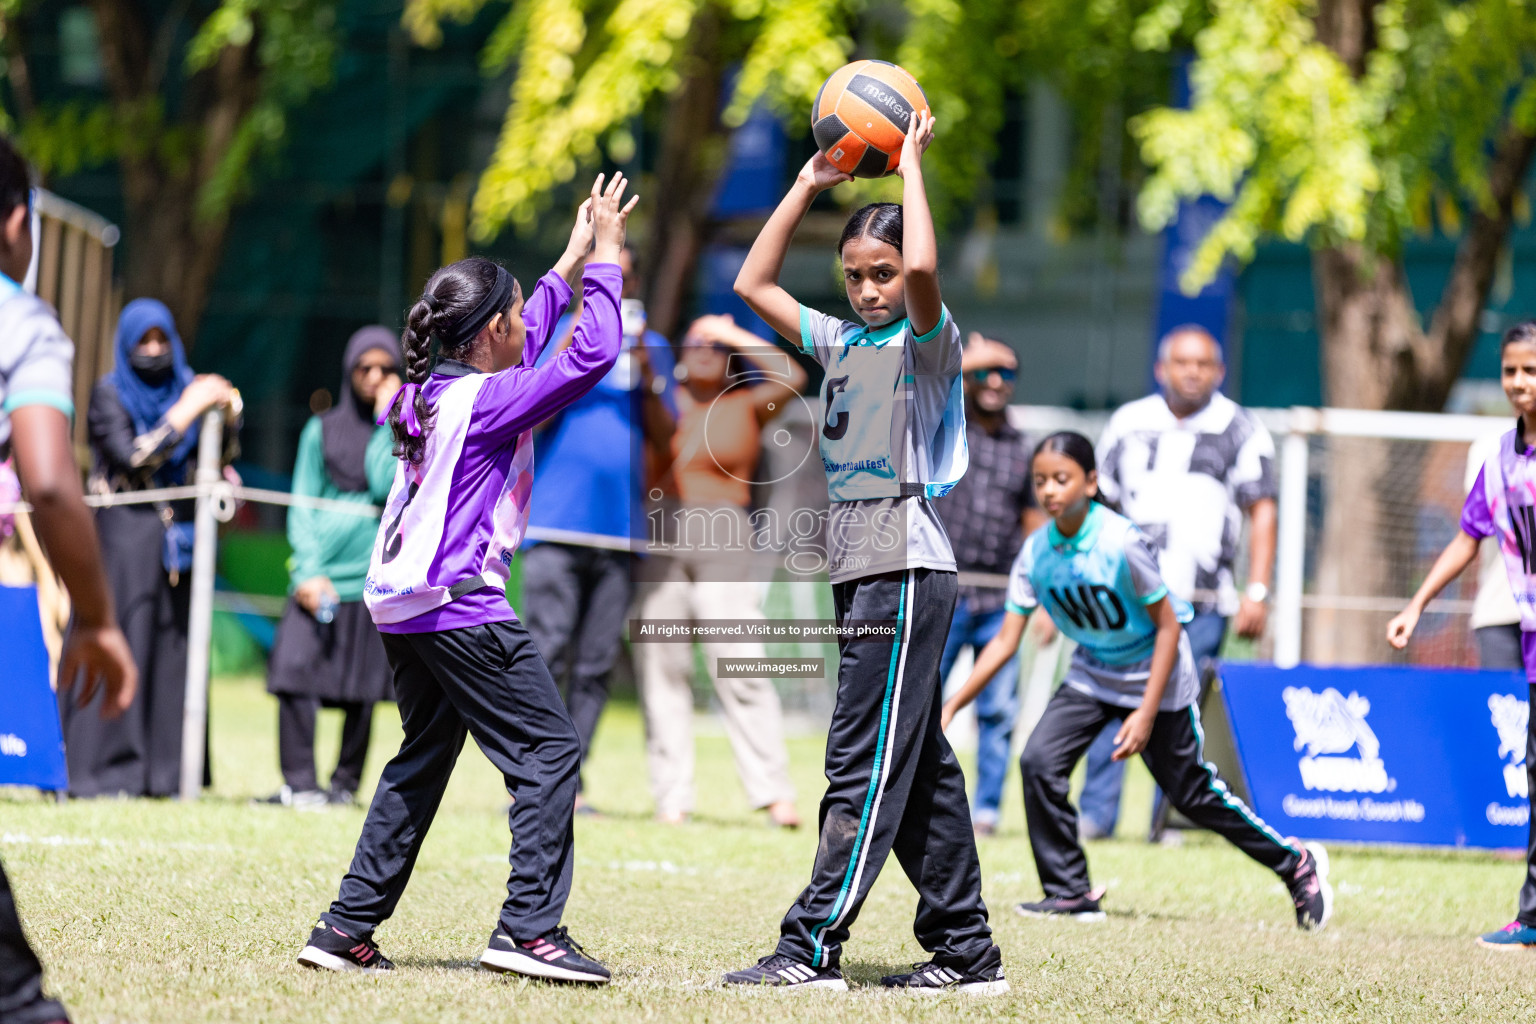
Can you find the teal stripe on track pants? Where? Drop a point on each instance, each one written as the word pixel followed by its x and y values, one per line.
pixel 893 784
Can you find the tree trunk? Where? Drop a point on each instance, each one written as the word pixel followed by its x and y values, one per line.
pixel 174 247
pixel 1377 354
pixel 692 153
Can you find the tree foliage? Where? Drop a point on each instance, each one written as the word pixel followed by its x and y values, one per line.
pixel 586 68
pixel 274 53
pixel 1309 148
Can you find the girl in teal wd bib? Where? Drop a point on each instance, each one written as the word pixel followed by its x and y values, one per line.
pixel 1097 577
pixel 892 436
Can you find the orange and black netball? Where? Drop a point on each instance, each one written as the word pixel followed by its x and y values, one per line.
pixel 861 115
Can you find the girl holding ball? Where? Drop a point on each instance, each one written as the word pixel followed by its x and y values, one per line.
pixel 892 437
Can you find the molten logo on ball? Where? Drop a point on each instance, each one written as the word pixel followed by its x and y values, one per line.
pixel 861 116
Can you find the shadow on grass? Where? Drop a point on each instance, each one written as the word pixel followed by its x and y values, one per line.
pixel 442 962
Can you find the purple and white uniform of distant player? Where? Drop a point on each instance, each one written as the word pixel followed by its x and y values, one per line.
pixel 1502 503
pixel 462 512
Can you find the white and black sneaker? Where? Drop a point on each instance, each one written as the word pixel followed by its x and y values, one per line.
pixel 780 971
pixel 931 978
pixel 553 956
pixel 331 949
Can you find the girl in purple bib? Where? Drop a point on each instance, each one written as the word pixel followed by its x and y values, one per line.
pixel 462 663
pixel 1502 504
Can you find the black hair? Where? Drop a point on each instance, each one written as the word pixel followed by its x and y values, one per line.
pixel 880 221
pixel 15 178
pixel 1071 444
pixel 1523 332
pixel 451 294
pixel 1075 447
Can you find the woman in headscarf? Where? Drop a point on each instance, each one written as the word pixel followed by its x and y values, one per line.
pixel 328 651
pixel 143 425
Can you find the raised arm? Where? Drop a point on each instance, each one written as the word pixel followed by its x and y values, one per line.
pixel 784 377
pixel 516 399
pixel 919 247
pixel 758 281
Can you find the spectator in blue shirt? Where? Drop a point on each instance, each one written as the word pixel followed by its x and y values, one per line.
pixel 588 474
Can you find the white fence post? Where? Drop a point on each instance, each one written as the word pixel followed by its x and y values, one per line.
pixel 1291 553
pixel 194 716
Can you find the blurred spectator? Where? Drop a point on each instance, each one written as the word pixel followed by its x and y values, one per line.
pixel 1186 466
pixel 1495 618
pixel 706 496
pixel 328 652
pixel 144 422
pixel 987 516
pixel 587 479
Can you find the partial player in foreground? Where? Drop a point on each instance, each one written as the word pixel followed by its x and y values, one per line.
pixel 1500 505
pixel 892 437
pixel 36 367
pixel 436 587
pixel 1096 575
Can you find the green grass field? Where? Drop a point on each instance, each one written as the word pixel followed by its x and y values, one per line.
pixel 153 911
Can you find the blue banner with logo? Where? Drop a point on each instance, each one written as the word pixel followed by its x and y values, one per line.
pixel 1433 757
pixel 31 744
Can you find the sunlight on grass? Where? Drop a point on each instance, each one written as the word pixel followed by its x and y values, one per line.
pixel 155 911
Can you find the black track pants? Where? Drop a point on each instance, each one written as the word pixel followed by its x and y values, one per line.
pixel 1173 754
pixel 21 976
pixel 893 784
pixel 490 683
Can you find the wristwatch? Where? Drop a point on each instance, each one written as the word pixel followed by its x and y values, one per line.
pixel 1257 592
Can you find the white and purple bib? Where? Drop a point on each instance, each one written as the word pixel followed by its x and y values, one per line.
pixel 1509 488
pixel 399 584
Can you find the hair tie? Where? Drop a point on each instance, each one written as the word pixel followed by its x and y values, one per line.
pixel 408 418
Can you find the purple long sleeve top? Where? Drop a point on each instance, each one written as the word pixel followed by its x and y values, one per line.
pixel 509 404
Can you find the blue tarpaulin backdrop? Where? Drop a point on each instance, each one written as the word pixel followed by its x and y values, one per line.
pixel 1384 755
pixel 31 745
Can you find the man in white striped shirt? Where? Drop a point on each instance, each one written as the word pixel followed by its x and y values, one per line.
pixel 1187 465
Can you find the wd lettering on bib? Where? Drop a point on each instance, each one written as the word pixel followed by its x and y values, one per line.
pixel 1094 606
pixel 1087 586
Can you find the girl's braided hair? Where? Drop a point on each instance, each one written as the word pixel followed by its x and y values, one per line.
pixel 451 294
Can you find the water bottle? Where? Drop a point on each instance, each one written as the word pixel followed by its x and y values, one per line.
pixel 327 610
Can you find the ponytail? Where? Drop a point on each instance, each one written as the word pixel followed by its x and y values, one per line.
pixel 458 301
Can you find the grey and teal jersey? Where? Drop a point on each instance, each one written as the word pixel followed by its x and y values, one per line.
pixel 891 437
pixel 36 357
pixel 1096 586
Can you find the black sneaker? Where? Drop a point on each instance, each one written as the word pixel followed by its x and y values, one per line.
pixel 554 956
pixel 1310 890
pixel 781 971
pixel 985 979
pixel 1079 908
pixel 340 797
pixel 332 949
